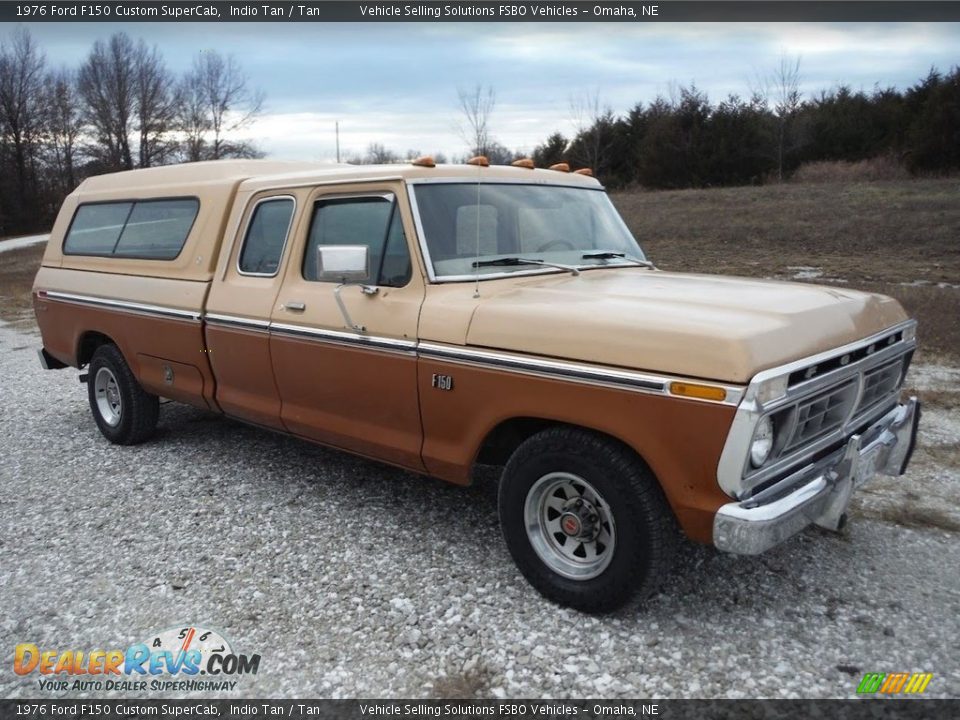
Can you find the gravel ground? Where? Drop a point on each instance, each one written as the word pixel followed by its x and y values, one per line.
pixel 354 579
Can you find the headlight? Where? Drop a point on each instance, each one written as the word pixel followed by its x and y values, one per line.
pixel 762 442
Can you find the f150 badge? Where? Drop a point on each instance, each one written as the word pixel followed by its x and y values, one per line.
pixel 442 382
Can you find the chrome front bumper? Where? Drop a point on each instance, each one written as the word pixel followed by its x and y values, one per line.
pixel 820 492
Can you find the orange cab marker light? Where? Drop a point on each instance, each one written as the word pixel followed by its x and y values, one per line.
pixel 424 161
pixel 703 392
pixel 524 163
pixel 584 171
pixel 480 160
pixel 560 167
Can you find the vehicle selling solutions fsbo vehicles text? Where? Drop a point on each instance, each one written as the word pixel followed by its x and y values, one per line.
pixel 512 10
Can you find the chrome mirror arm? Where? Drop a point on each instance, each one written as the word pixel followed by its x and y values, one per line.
pixel 366 290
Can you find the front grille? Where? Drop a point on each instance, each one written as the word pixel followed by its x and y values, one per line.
pixel 879 383
pixel 822 413
pixel 839 361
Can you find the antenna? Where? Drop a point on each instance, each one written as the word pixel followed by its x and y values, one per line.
pixel 337 125
pixel 476 289
pixel 481 162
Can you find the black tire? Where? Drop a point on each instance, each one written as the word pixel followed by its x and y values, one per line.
pixel 133 418
pixel 645 530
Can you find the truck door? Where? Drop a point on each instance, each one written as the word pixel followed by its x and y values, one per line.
pixel 352 387
pixel 238 310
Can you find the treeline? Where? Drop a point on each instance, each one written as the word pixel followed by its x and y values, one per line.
pixel 687 141
pixel 122 108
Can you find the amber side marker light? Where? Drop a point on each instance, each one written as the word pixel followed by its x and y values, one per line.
pixel 703 392
pixel 424 161
pixel 560 167
pixel 584 171
pixel 480 160
pixel 524 163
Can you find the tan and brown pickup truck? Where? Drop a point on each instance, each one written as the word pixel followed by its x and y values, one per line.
pixel 437 317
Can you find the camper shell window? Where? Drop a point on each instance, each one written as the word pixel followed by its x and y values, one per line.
pixel 141 229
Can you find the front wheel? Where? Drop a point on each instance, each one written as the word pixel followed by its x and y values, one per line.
pixel 585 520
pixel 125 413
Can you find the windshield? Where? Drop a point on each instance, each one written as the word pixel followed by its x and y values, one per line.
pixel 465 224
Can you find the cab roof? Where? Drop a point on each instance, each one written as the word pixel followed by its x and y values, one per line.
pixel 257 174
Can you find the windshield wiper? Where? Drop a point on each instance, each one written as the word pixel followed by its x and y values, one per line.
pixel 513 261
pixel 609 255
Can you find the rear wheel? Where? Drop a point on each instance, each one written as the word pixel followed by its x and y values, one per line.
pixel 125 413
pixel 585 520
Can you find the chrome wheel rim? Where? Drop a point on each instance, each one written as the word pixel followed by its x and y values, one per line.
pixel 570 526
pixel 106 390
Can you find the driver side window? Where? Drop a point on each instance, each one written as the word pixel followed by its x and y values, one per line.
pixel 373 221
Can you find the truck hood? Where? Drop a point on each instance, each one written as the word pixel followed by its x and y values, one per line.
pixel 700 326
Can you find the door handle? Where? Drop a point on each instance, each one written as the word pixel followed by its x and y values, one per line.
pixel 295 306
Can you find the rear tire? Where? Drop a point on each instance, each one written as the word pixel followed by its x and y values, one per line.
pixel 585 520
pixel 125 413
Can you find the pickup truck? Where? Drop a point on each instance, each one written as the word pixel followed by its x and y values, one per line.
pixel 436 317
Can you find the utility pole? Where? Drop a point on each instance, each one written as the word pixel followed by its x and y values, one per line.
pixel 338 140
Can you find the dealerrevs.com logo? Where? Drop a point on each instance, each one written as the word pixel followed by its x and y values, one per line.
pixel 170 660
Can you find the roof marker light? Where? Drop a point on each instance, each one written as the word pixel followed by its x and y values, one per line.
pixel 480 160
pixel 524 163
pixel 424 161
pixel 584 171
pixel 560 167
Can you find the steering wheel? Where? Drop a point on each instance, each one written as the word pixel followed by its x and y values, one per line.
pixel 556 243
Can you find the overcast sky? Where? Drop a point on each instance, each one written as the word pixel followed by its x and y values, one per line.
pixel 397 83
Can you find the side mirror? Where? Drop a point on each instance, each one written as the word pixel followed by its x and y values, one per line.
pixel 343 263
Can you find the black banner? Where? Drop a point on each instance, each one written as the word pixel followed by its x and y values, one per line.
pixel 485 11
pixel 863 709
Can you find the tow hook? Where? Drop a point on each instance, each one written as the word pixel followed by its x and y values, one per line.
pixel 83 377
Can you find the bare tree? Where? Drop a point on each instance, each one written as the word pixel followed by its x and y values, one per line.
pixel 591 119
pixel 787 101
pixel 217 101
pixel 155 103
pixel 64 126
pixel 106 84
pixel 21 113
pixel 379 154
pixel 477 106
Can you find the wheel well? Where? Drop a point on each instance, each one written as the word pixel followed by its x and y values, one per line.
pixel 89 342
pixel 501 442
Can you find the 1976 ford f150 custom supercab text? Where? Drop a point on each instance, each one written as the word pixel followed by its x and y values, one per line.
pixel 436 317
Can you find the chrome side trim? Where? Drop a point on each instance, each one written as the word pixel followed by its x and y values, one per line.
pixel 567 370
pixel 342 337
pixel 562 369
pixel 235 321
pixel 111 303
pixel 550 367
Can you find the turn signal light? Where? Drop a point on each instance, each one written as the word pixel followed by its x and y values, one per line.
pixel 524 163
pixel 560 167
pixel 703 392
pixel 424 161
pixel 584 171
pixel 480 160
